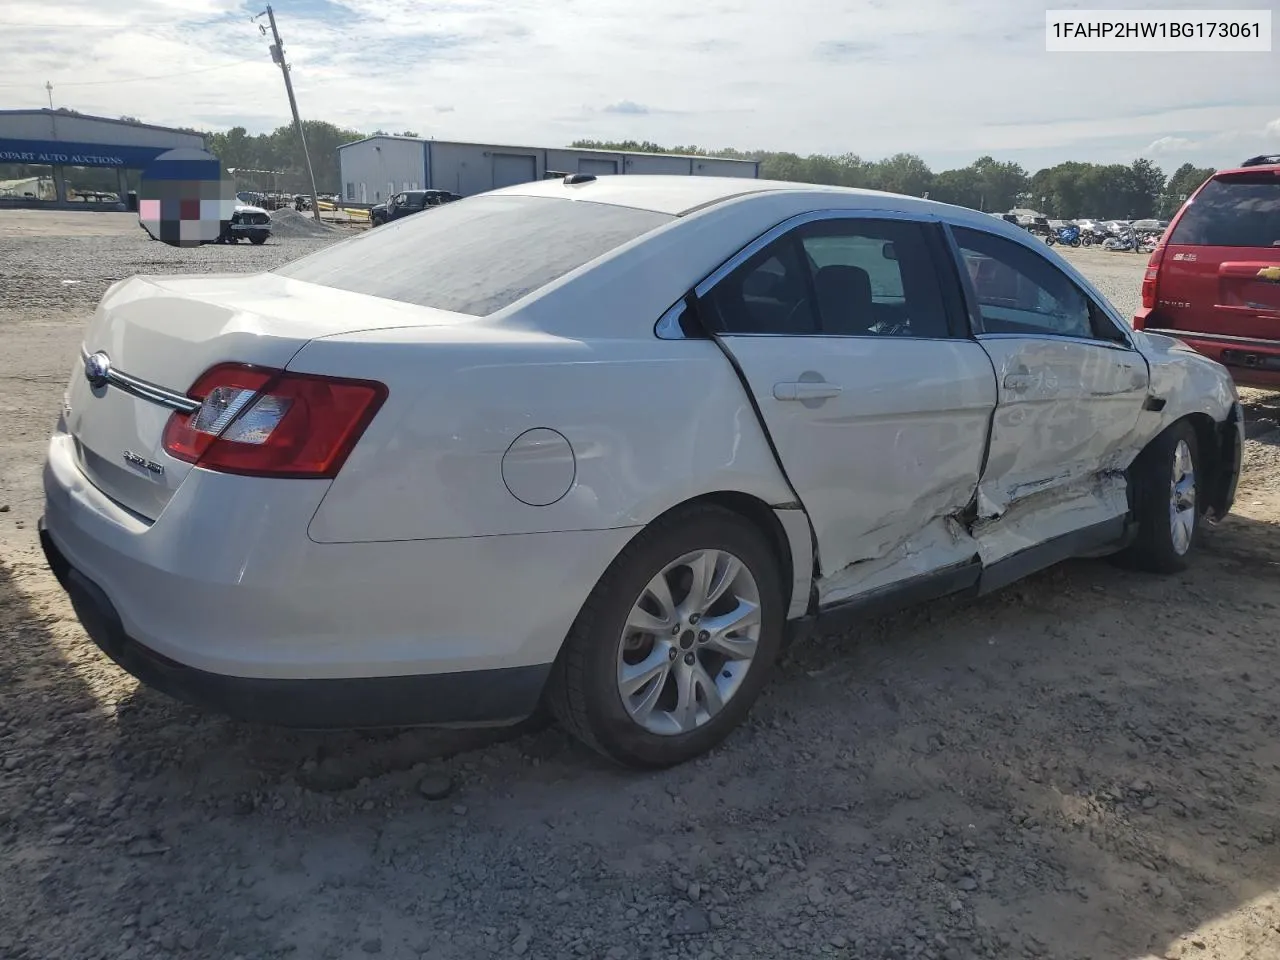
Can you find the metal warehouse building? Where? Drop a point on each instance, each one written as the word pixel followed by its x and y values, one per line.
pixel 376 168
pixel 48 158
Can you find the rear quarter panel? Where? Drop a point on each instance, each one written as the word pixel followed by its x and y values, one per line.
pixel 652 423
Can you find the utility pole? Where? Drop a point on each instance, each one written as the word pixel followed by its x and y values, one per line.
pixel 48 85
pixel 277 55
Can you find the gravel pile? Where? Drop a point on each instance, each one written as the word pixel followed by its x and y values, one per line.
pixel 293 224
pixel 57 273
pixel 1083 765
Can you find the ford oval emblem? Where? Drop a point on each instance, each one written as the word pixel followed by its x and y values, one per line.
pixel 97 369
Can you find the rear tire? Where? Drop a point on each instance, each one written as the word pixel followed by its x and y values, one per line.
pixel 704 678
pixel 1166 501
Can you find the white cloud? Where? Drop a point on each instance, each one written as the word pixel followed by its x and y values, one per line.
pixel 1166 145
pixel 946 80
pixel 628 107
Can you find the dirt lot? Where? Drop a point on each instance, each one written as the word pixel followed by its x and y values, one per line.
pixel 1085 766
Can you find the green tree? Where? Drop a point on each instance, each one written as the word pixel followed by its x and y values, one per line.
pixel 281 151
pixel 1146 184
pixel 999 182
pixel 962 187
pixel 902 173
pixel 1184 182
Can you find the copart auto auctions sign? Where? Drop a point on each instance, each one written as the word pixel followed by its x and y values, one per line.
pixel 77 153
pixel 75 159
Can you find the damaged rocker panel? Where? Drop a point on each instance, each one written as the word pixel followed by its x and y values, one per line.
pixel 960 551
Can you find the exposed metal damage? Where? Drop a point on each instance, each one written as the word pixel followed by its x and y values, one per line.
pixel 982 530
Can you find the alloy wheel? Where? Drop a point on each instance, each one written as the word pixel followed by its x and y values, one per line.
pixel 688 642
pixel 1182 499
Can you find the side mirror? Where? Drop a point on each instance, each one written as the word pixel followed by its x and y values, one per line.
pixel 888 252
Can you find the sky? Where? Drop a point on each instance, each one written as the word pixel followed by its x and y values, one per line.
pixel 949 80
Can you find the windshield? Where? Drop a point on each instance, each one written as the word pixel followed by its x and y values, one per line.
pixel 478 255
pixel 1233 212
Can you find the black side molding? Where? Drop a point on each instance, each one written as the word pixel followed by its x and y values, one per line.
pixel 1087 540
pixel 890 599
pixel 969 577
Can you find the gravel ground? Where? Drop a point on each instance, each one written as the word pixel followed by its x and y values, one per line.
pixel 1085 765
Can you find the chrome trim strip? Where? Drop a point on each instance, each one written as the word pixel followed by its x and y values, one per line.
pixel 145 390
pixel 1059 337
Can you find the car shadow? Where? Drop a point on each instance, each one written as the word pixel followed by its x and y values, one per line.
pixel 1082 765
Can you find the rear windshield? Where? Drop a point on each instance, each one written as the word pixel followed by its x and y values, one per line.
pixel 478 255
pixel 1233 212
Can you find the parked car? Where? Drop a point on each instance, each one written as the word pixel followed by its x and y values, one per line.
pixel 604 445
pixel 1213 279
pixel 408 202
pixel 247 223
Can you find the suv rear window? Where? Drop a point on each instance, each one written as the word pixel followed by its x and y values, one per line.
pixel 478 255
pixel 1239 211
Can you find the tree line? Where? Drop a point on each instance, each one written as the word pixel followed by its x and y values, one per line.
pixel 1068 190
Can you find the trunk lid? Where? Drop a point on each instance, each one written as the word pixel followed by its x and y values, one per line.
pixel 1221 268
pixel 162 333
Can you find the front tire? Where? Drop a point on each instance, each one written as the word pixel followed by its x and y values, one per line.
pixel 675 642
pixel 1166 501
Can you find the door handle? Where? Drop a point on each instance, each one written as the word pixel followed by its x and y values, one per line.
pixel 806 390
pixel 1018 382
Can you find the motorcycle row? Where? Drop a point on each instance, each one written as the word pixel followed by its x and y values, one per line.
pixel 1120 236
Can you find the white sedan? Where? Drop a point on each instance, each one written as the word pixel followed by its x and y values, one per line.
pixel 604 444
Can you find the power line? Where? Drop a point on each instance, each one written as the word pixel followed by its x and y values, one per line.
pixel 162 76
pixel 122 26
pixel 71 26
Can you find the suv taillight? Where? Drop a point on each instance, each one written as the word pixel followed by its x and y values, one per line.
pixel 1151 279
pixel 271 423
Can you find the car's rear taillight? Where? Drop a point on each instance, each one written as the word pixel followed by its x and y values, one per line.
pixel 272 423
pixel 1151 279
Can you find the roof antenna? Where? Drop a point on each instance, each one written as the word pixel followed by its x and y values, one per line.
pixel 572 178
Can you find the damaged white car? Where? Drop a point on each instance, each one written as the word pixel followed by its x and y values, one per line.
pixel 602 444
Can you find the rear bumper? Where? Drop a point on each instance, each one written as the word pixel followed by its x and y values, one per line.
pixel 1252 362
pixel 470 697
pixel 224 601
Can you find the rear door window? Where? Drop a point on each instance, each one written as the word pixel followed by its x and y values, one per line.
pixel 849 277
pixel 874 278
pixel 1018 291
pixel 476 256
pixel 1237 211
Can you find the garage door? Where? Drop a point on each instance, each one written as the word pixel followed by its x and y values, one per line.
pixel 597 167
pixel 510 168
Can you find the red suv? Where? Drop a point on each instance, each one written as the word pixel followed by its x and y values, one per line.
pixel 1213 281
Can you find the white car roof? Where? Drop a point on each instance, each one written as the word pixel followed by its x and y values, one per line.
pixel 677 195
